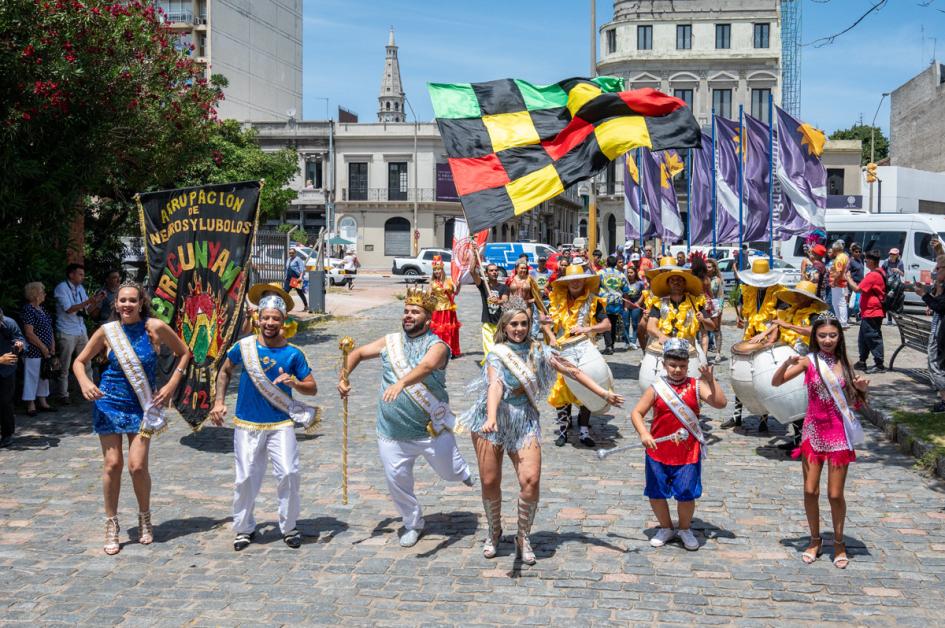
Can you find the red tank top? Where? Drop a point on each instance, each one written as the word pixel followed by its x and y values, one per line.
pixel 665 423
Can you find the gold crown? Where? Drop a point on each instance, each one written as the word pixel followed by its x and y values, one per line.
pixel 421 297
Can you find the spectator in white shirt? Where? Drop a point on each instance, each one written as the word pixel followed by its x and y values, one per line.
pixel 71 302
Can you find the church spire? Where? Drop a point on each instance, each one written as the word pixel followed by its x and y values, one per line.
pixel 391 99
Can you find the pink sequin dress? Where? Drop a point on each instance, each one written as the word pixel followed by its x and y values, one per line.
pixel 823 438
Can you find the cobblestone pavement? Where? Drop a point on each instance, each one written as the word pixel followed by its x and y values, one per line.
pixel 595 566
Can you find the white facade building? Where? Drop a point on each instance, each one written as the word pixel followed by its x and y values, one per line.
pixel 256 45
pixel 907 191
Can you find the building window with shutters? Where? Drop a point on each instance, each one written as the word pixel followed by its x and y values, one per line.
pixel 684 95
pixel 762 35
pixel 397 237
pixel 683 36
pixel 397 181
pixel 610 182
pixel 357 181
pixel 759 104
pixel 722 102
pixel 723 36
pixel 313 173
pixel 645 37
pixel 611 41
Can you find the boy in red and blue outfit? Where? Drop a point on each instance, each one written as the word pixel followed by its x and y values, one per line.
pixel 674 465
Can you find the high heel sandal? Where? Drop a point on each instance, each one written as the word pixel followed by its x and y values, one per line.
pixel 493 509
pixel 813 552
pixel 526 515
pixel 840 558
pixel 112 546
pixel 145 529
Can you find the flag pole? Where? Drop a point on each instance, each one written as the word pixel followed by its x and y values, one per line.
pixel 770 179
pixel 689 202
pixel 640 167
pixel 741 156
pixel 715 228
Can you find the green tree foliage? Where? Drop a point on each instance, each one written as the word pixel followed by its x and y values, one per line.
pixel 863 132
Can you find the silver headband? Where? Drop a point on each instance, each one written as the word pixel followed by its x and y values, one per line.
pixel 676 345
pixel 272 302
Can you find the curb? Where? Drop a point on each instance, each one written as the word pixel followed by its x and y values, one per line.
pixel 312 320
pixel 902 436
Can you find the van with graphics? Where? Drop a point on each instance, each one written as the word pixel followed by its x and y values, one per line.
pixel 505 254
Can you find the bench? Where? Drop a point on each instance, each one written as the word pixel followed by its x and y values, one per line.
pixel 914 333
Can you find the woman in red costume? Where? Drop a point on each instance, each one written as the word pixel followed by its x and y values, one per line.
pixel 445 324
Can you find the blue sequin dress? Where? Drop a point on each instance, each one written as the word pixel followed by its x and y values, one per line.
pixel 119 412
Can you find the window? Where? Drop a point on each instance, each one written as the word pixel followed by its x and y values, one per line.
pixel 762 32
pixel 723 36
pixel 397 237
pixel 922 243
pixel 397 181
pixel 683 36
pixel 834 180
pixel 357 181
pixel 348 228
pixel 313 173
pixel 884 240
pixel 722 102
pixel 684 95
pixel 759 104
pixel 611 41
pixel 644 37
pixel 611 179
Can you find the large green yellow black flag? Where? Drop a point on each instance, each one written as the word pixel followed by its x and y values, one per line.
pixel 512 144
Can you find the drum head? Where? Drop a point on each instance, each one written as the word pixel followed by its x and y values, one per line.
pixel 747 348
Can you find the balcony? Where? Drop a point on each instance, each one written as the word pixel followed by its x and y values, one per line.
pixel 388 195
pixel 315 196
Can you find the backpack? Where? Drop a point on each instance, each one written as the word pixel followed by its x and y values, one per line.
pixel 895 294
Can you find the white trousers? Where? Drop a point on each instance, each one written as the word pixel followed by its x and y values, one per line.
pixel 33 385
pixel 251 449
pixel 399 456
pixel 838 298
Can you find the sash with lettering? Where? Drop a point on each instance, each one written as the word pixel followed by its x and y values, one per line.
pixel 680 410
pixel 851 425
pixel 153 420
pixel 441 417
pixel 303 415
pixel 522 371
pixel 197 243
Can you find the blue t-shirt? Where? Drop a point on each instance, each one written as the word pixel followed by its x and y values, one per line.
pixel 251 407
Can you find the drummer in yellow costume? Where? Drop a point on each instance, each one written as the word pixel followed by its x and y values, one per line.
pixel 677 305
pixel 758 308
pixel 576 310
pixel 257 292
pixel 792 325
pixel 648 300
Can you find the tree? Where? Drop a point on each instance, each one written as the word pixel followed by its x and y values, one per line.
pixel 97 102
pixel 864 132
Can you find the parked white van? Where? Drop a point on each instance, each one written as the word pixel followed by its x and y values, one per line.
pixel 910 233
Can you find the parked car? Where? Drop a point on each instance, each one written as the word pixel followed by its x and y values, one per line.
pixel 505 254
pixel 334 267
pixel 727 267
pixel 419 268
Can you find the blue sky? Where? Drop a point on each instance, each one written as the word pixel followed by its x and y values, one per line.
pixel 546 41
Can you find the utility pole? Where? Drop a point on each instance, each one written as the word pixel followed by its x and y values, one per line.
pixel 592 194
pixel 415 236
pixel 873 145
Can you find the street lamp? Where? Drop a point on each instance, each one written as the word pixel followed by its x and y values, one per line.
pixel 873 143
pixel 416 205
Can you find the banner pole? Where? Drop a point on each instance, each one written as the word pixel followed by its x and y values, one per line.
pixel 715 228
pixel 689 201
pixel 346 345
pixel 741 209
pixel 771 179
pixel 640 193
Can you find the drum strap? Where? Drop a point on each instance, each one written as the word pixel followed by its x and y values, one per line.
pixel 522 371
pixel 851 425
pixel 680 409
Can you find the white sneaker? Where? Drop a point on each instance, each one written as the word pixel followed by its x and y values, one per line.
pixel 410 538
pixel 689 540
pixel 662 537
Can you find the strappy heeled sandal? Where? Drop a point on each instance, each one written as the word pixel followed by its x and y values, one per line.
pixel 493 508
pixel 112 546
pixel 145 529
pixel 526 515
pixel 813 552
pixel 840 558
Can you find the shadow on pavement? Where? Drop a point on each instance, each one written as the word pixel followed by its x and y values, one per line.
pixel 855 547
pixel 385 526
pixel 455 526
pixel 312 529
pixel 34 441
pixel 214 440
pixel 625 371
pixel 171 529
pixel 709 531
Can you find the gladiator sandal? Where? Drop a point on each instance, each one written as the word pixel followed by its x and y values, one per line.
pixel 563 421
pixel 526 515
pixel 493 508
pixel 145 529
pixel 112 546
pixel 736 419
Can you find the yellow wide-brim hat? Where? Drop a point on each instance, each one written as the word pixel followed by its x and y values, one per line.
pixel 575 272
pixel 803 290
pixel 760 275
pixel 659 285
pixel 259 290
pixel 666 263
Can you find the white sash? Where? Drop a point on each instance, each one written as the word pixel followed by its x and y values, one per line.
pixel 522 370
pixel 303 415
pixel 680 409
pixel 153 420
pixel 851 425
pixel 441 417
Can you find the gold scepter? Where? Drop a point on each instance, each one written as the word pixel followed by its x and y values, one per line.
pixel 346 345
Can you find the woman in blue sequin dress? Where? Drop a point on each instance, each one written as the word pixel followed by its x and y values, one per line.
pixel 116 410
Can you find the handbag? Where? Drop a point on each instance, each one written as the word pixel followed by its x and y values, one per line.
pixel 295 282
pixel 50 368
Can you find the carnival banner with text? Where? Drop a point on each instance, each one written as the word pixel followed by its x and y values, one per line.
pixel 198 242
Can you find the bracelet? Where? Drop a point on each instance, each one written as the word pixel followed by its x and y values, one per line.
pixel 180 370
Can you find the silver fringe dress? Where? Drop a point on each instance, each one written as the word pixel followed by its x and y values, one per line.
pixel 518 420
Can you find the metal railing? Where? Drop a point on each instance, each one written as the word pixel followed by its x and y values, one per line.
pixel 388 194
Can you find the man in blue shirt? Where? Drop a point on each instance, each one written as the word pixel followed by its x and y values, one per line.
pixel 11 344
pixel 613 285
pixel 72 301
pixel 272 369
pixel 295 274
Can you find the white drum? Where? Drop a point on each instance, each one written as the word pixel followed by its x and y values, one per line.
pixel 582 353
pixel 742 371
pixel 652 364
pixel 787 402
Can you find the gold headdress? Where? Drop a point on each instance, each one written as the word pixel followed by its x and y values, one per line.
pixel 421 297
pixel 437 262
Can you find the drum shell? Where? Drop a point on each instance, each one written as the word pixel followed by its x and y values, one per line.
pixel 787 402
pixel 652 364
pixel 584 355
pixel 742 377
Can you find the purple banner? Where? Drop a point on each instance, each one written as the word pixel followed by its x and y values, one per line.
pixel 752 149
pixel 800 194
pixel 445 188
pixel 634 210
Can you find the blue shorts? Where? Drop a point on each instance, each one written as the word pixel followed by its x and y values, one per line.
pixel 681 481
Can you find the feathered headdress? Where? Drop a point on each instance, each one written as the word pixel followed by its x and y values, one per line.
pixel 816 236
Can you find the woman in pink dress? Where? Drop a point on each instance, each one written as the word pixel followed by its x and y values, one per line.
pixel 824 437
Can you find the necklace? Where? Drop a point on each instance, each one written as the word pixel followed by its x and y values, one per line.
pixel 829 358
pixel 677 382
